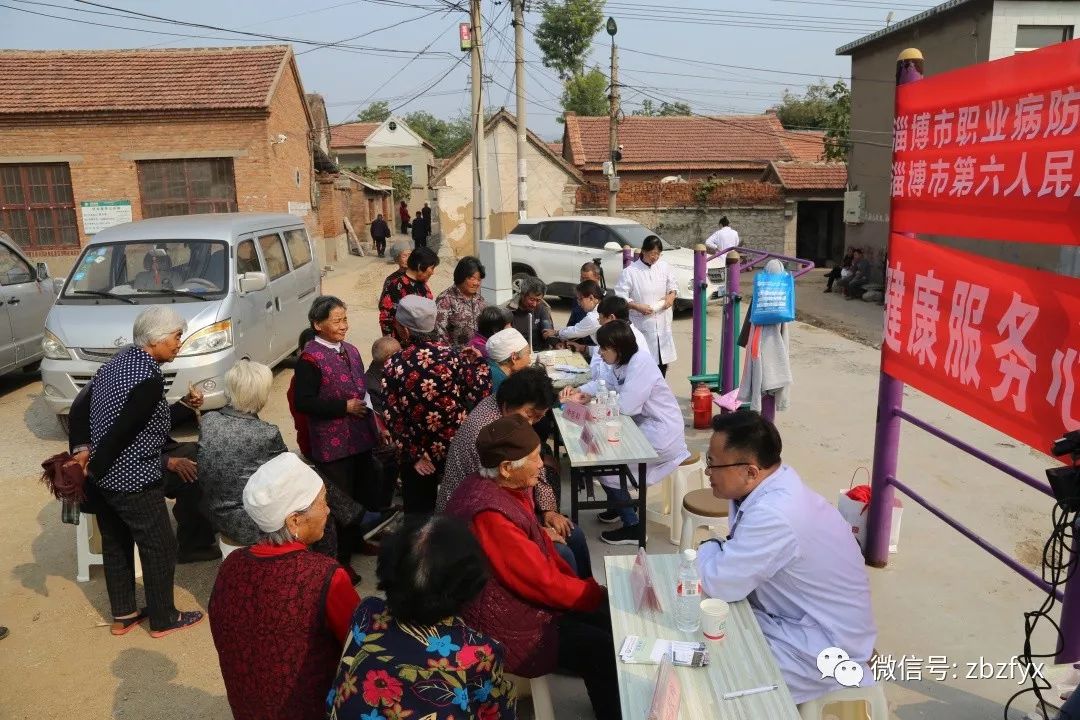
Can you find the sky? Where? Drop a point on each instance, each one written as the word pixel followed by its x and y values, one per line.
pixel 719 56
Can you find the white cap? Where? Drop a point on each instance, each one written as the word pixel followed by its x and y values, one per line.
pixel 281 486
pixel 503 343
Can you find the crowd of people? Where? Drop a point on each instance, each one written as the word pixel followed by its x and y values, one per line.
pixel 484 576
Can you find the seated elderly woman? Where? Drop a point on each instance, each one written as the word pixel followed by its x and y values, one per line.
pixel 545 616
pixel 234 443
pixel 507 352
pixel 280 613
pixel 428 572
pixel 531 394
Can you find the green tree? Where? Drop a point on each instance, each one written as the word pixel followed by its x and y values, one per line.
pixel 665 109
pixel 377 111
pixel 401 182
pixel 586 94
pixel 806 111
pixel 448 136
pixel 565 34
pixel 838 122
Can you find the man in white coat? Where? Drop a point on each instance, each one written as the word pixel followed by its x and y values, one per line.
pixel 791 553
pixel 650 287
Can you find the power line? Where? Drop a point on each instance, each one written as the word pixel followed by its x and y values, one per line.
pixel 369 32
pixel 746 67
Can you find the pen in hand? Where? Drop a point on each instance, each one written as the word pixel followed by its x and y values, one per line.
pixel 751 691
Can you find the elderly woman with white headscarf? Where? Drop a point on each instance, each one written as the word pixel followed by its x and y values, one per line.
pixel 119 430
pixel 507 352
pixel 280 613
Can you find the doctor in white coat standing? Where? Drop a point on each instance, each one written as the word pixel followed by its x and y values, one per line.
pixel 649 285
pixel 645 396
pixel 791 553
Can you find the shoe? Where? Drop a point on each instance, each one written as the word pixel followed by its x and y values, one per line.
pixel 3 632
pixel 626 535
pixel 211 552
pixel 186 620
pixel 828 290
pixel 125 625
pixel 608 517
pixel 386 517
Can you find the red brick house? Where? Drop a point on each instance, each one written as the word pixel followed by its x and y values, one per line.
pixel 736 147
pixel 91 138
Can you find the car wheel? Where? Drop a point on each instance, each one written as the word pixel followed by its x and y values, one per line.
pixel 32 367
pixel 515 281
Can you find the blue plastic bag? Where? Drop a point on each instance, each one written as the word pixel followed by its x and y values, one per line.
pixel 774 298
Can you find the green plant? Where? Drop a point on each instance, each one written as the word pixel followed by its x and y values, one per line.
pixel 401 182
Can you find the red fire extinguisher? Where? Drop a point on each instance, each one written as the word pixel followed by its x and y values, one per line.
pixel 702 403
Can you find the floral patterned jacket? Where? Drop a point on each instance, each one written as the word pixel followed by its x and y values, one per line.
pixel 392 671
pixel 430 390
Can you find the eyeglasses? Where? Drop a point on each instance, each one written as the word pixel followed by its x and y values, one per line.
pixel 726 465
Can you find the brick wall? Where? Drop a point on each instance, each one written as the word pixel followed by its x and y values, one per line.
pixel 102 154
pixel 598 178
pixel 755 210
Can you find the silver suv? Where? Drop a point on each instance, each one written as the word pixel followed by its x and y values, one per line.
pixel 554 249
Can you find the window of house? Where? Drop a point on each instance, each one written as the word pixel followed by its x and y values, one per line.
pixel 1033 37
pixel 37 208
pixel 274 253
pixel 182 187
pixel 299 250
pixel 407 169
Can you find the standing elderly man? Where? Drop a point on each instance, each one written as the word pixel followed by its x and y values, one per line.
pixel 380 232
pixel 790 552
pixel 531 315
pixel 430 389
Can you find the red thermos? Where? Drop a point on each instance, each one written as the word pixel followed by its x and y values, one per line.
pixel 702 403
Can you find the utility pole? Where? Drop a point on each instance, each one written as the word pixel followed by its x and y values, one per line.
pixel 479 155
pixel 613 129
pixel 519 86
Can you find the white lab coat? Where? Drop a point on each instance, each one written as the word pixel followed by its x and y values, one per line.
pixel 641 283
pixel 795 558
pixel 646 397
pixel 586 328
pixel 723 239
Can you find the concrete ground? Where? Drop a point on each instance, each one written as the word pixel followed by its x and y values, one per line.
pixel 939 596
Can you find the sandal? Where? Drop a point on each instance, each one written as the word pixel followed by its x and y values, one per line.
pixel 185 620
pixel 124 625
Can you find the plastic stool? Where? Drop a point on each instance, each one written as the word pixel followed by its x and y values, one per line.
pixel 543 709
pixel 872 697
pixel 227 545
pixel 690 475
pixel 700 508
pixel 84 556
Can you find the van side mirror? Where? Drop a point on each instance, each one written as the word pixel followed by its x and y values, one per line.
pixel 251 282
pixel 612 246
pixel 42 271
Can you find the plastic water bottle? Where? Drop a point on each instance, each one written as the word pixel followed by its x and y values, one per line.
pixel 688 594
pixel 601 391
pixel 613 403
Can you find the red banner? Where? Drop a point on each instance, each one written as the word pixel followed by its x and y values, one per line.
pixel 997 341
pixel 992 150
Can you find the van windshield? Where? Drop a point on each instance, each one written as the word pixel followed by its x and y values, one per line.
pixel 126 272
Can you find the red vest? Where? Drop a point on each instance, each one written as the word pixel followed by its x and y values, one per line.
pixel 268 618
pixel 529 633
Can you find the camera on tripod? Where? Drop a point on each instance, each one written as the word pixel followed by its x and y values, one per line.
pixel 1065 481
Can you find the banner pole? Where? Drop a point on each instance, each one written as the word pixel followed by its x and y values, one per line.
pixel 909 68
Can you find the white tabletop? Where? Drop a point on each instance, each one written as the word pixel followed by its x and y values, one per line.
pixel 739 662
pixel 632 447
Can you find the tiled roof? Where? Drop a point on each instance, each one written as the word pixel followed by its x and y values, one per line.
pixel 67 81
pixel 555 147
pixel 680 143
pixel 811 175
pixel 352 134
pixel 806 145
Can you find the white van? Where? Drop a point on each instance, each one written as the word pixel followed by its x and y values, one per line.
pixel 243 281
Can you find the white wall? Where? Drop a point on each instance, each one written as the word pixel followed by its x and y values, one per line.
pixel 1008 14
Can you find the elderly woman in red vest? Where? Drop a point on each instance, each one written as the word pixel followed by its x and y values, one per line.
pixel 545 616
pixel 330 390
pixel 280 613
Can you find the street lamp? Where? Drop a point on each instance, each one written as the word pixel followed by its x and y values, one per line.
pixel 612 28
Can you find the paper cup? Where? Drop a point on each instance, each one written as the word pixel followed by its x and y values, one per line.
pixel 714 619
